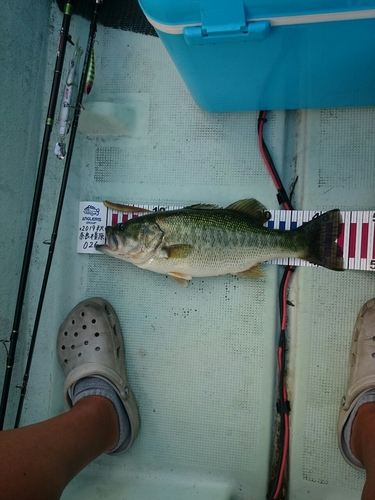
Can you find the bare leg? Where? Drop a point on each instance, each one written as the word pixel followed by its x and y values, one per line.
pixel 39 460
pixel 363 445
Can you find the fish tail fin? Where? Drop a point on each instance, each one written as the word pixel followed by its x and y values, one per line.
pixel 322 233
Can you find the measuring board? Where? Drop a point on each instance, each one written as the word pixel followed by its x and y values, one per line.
pixel 356 241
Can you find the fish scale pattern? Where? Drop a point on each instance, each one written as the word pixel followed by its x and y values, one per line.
pixel 201 242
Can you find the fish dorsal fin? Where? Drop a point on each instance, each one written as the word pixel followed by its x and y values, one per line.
pixel 253 208
pixel 250 207
pixel 203 206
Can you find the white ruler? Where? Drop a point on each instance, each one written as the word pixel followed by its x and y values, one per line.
pixel 356 241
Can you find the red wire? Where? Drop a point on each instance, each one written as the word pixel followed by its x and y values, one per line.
pixel 286 283
pixel 284 457
pixel 262 152
pixel 286 205
pixel 265 158
pixel 286 435
pixel 285 393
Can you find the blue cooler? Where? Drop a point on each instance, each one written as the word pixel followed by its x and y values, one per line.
pixel 237 55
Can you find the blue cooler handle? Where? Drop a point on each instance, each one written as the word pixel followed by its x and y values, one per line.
pixel 258 30
pixel 223 21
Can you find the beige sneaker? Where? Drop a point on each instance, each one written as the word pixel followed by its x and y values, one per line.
pixel 362 373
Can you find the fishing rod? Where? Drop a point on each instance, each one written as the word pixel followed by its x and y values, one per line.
pixel 52 242
pixel 63 40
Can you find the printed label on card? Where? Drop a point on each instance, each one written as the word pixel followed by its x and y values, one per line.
pixel 91 226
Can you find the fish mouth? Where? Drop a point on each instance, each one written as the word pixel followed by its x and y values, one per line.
pixel 112 241
pixel 112 244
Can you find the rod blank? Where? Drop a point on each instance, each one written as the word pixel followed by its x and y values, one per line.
pixel 64 37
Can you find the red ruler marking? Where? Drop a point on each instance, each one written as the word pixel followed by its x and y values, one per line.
pixel 364 241
pixel 346 220
pixel 114 219
pixel 352 239
pixel 340 241
pixel 125 217
pixel 358 220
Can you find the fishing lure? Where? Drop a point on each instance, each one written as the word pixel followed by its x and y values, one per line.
pixel 68 103
pixel 90 73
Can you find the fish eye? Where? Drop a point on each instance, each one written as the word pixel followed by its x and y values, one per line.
pixel 121 226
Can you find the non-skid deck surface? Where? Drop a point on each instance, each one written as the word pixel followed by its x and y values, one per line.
pixel 201 360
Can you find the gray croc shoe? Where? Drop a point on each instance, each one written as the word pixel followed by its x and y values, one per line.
pixel 362 373
pixel 90 344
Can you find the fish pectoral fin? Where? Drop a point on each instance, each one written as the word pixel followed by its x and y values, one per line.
pixel 253 208
pixel 178 251
pixel 252 272
pixel 180 278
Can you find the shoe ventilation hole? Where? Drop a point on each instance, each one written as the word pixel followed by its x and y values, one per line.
pixel 76 334
pixel 86 342
pixel 65 334
pixel 63 347
pixel 107 310
pixel 73 346
pixel 73 322
pixel 356 334
pixel 118 352
pixel 114 330
pixel 373 338
pixel 93 321
pixel 97 348
pixel 373 354
pixel 66 361
pixel 96 334
pixel 82 314
pixel 79 354
pixel 84 327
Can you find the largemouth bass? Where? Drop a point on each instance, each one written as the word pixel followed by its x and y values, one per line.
pixel 205 240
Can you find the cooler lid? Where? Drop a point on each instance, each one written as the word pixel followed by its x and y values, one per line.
pixel 173 16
